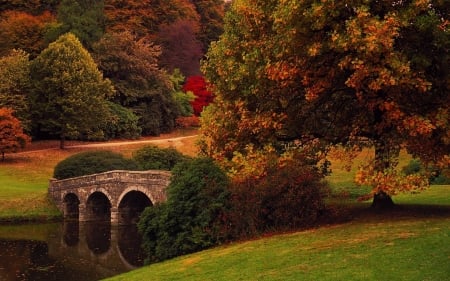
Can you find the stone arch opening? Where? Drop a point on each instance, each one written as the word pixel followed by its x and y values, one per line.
pixel 132 205
pixel 71 206
pixel 98 207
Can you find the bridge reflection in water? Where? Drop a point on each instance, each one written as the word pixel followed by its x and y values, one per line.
pixel 98 247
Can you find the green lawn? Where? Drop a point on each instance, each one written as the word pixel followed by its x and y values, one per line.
pixel 406 244
pixel 23 198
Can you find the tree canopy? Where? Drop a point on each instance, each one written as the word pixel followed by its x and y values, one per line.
pixel 15 84
pixel 69 95
pixel 366 73
pixel 141 85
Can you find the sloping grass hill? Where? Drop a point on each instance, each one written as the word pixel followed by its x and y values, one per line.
pixel 409 243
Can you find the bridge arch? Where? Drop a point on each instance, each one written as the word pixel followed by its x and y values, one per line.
pixel 71 207
pixel 98 207
pixel 131 204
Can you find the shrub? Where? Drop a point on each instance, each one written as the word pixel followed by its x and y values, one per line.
pixel 124 123
pixel 92 162
pixel 437 176
pixel 192 217
pixel 287 194
pixel 154 158
pixel 186 122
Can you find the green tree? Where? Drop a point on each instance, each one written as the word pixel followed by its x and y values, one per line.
pixel 15 84
pixel 132 66
pixel 362 73
pixel 69 95
pixel 182 99
pixel 84 18
pixel 155 158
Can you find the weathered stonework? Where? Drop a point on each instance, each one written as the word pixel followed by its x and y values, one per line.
pixel 115 185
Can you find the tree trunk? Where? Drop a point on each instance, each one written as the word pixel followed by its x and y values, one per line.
pixel 62 142
pixel 385 157
pixel 382 201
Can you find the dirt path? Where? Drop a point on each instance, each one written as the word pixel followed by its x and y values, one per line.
pixel 173 139
pixel 155 141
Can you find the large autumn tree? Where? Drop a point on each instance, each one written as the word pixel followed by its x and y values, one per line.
pixel 361 73
pixel 69 96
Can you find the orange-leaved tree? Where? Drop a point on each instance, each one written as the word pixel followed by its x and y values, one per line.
pixel 12 137
pixel 359 73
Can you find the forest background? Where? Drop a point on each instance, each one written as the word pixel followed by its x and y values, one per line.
pixel 132 59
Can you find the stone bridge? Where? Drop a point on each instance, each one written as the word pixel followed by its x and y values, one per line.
pixel 116 196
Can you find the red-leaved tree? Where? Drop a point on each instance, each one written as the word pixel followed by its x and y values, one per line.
pixel 203 97
pixel 11 133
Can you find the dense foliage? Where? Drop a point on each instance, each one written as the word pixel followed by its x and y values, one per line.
pixel 69 92
pixel 92 162
pixel 15 84
pixel 192 217
pixel 12 137
pixel 203 96
pixel 369 73
pixel 141 85
pixel 122 37
pixel 154 158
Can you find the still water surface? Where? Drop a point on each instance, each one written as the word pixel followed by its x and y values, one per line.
pixel 68 251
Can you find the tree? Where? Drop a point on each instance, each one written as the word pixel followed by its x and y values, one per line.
pixel 132 66
pixel 211 20
pixel 84 18
pixel 144 18
pixel 12 137
pixel 15 84
pixel 21 30
pixel 69 95
pixel 180 48
pixel 366 73
pixel 182 99
pixel 29 6
pixel 203 97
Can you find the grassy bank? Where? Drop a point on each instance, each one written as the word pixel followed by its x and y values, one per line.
pixel 410 243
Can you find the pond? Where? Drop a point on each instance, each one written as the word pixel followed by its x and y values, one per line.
pixel 68 251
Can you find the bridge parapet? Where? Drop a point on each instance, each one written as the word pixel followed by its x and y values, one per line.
pixel 120 176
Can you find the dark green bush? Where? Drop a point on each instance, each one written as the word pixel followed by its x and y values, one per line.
pixel 192 218
pixel 414 166
pixel 124 123
pixel 436 176
pixel 92 162
pixel 155 158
